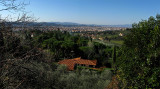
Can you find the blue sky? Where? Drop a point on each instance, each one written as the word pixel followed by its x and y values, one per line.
pixel 106 12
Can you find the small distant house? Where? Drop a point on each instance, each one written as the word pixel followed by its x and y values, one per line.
pixel 93 37
pixel 120 34
pixel 32 35
pixel 73 63
pixel 100 38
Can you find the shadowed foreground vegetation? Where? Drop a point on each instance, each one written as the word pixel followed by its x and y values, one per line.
pixel 29 62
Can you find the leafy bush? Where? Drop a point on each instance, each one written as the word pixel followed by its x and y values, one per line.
pixel 139 61
pixel 83 79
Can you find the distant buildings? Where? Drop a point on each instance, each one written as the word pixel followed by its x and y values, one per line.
pixel 100 38
pixel 120 34
pixel 32 35
pixel 71 29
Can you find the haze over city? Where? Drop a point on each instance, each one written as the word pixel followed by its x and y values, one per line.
pixel 101 12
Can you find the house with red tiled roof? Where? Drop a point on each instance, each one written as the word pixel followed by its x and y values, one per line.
pixel 73 63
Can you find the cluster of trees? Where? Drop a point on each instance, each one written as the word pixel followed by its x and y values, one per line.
pixel 16 59
pixel 24 65
pixel 139 59
pixel 64 46
pixel 40 75
pixel 113 34
pixel 81 79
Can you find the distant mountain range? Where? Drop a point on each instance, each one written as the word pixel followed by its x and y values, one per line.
pixel 77 24
pixel 65 24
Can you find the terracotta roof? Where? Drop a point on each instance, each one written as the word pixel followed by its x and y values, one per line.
pixel 70 63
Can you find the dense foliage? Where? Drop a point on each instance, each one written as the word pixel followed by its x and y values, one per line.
pixel 81 79
pixel 139 60
pixel 63 45
pixel 44 76
pixel 25 63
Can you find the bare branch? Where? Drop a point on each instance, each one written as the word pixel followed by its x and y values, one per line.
pixel 12 5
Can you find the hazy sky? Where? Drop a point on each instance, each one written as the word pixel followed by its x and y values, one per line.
pixel 107 12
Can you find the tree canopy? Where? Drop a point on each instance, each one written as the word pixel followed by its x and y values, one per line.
pixel 139 62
